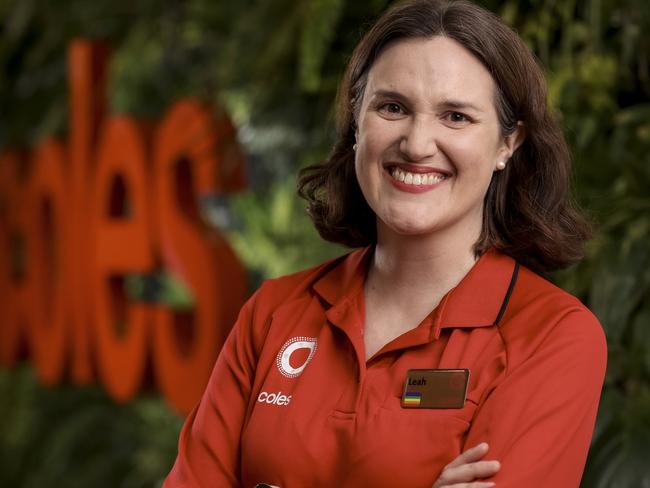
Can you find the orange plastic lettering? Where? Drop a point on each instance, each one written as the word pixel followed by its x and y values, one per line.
pixel 121 244
pixel 86 70
pixel 108 205
pixel 47 222
pixel 186 345
pixel 12 278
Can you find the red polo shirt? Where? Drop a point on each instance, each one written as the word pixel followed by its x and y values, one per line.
pixel 292 402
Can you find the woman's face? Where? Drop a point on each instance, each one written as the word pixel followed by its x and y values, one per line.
pixel 428 139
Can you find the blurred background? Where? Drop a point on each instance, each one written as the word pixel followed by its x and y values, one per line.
pixel 273 67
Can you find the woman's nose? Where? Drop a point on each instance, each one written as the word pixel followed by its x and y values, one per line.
pixel 418 141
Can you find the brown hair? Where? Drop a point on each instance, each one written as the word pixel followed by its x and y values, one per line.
pixel 528 212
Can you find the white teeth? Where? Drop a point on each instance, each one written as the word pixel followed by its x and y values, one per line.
pixel 416 178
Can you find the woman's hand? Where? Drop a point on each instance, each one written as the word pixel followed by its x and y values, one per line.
pixel 467 468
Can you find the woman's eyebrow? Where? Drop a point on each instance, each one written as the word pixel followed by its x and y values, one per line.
pixel 458 105
pixel 388 94
pixel 447 104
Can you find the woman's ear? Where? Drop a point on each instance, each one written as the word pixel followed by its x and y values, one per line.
pixel 510 144
pixel 512 141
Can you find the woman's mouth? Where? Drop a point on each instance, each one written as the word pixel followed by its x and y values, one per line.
pixel 416 179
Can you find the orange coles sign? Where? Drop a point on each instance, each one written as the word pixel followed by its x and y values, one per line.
pixel 76 219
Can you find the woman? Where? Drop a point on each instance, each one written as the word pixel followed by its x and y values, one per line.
pixel 380 368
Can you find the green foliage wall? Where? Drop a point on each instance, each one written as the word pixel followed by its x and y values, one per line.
pixel 71 437
pixel 274 66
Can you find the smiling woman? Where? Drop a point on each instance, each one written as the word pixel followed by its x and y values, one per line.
pixel 404 362
pixel 428 125
pixel 528 209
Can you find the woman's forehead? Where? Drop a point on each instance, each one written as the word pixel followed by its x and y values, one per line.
pixel 437 67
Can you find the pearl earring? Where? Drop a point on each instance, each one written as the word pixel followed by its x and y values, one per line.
pixel 354 147
pixel 501 165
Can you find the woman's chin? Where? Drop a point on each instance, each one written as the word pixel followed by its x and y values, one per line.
pixel 406 228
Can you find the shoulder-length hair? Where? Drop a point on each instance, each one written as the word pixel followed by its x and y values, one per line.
pixel 528 211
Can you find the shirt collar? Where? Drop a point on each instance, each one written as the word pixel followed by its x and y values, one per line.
pixel 345 277
pixel 475 302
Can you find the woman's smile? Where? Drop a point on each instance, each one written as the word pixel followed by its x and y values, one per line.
pixel 413 178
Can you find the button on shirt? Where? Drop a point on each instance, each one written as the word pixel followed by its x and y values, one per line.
pixel 292 402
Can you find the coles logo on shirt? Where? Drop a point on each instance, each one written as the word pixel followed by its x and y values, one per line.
pixel 283 359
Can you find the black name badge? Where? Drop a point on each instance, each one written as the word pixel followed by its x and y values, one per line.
pixel 435 388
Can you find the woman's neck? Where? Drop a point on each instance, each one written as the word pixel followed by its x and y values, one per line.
pixel 413 269
pixel 407 278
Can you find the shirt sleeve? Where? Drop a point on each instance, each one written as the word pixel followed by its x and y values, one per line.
pixel 539 420
pixel 209 443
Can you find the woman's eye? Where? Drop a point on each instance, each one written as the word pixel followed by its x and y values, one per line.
pixel 457 117
pixel 392 108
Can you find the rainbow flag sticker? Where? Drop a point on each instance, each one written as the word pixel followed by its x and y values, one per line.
pixel 412 399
